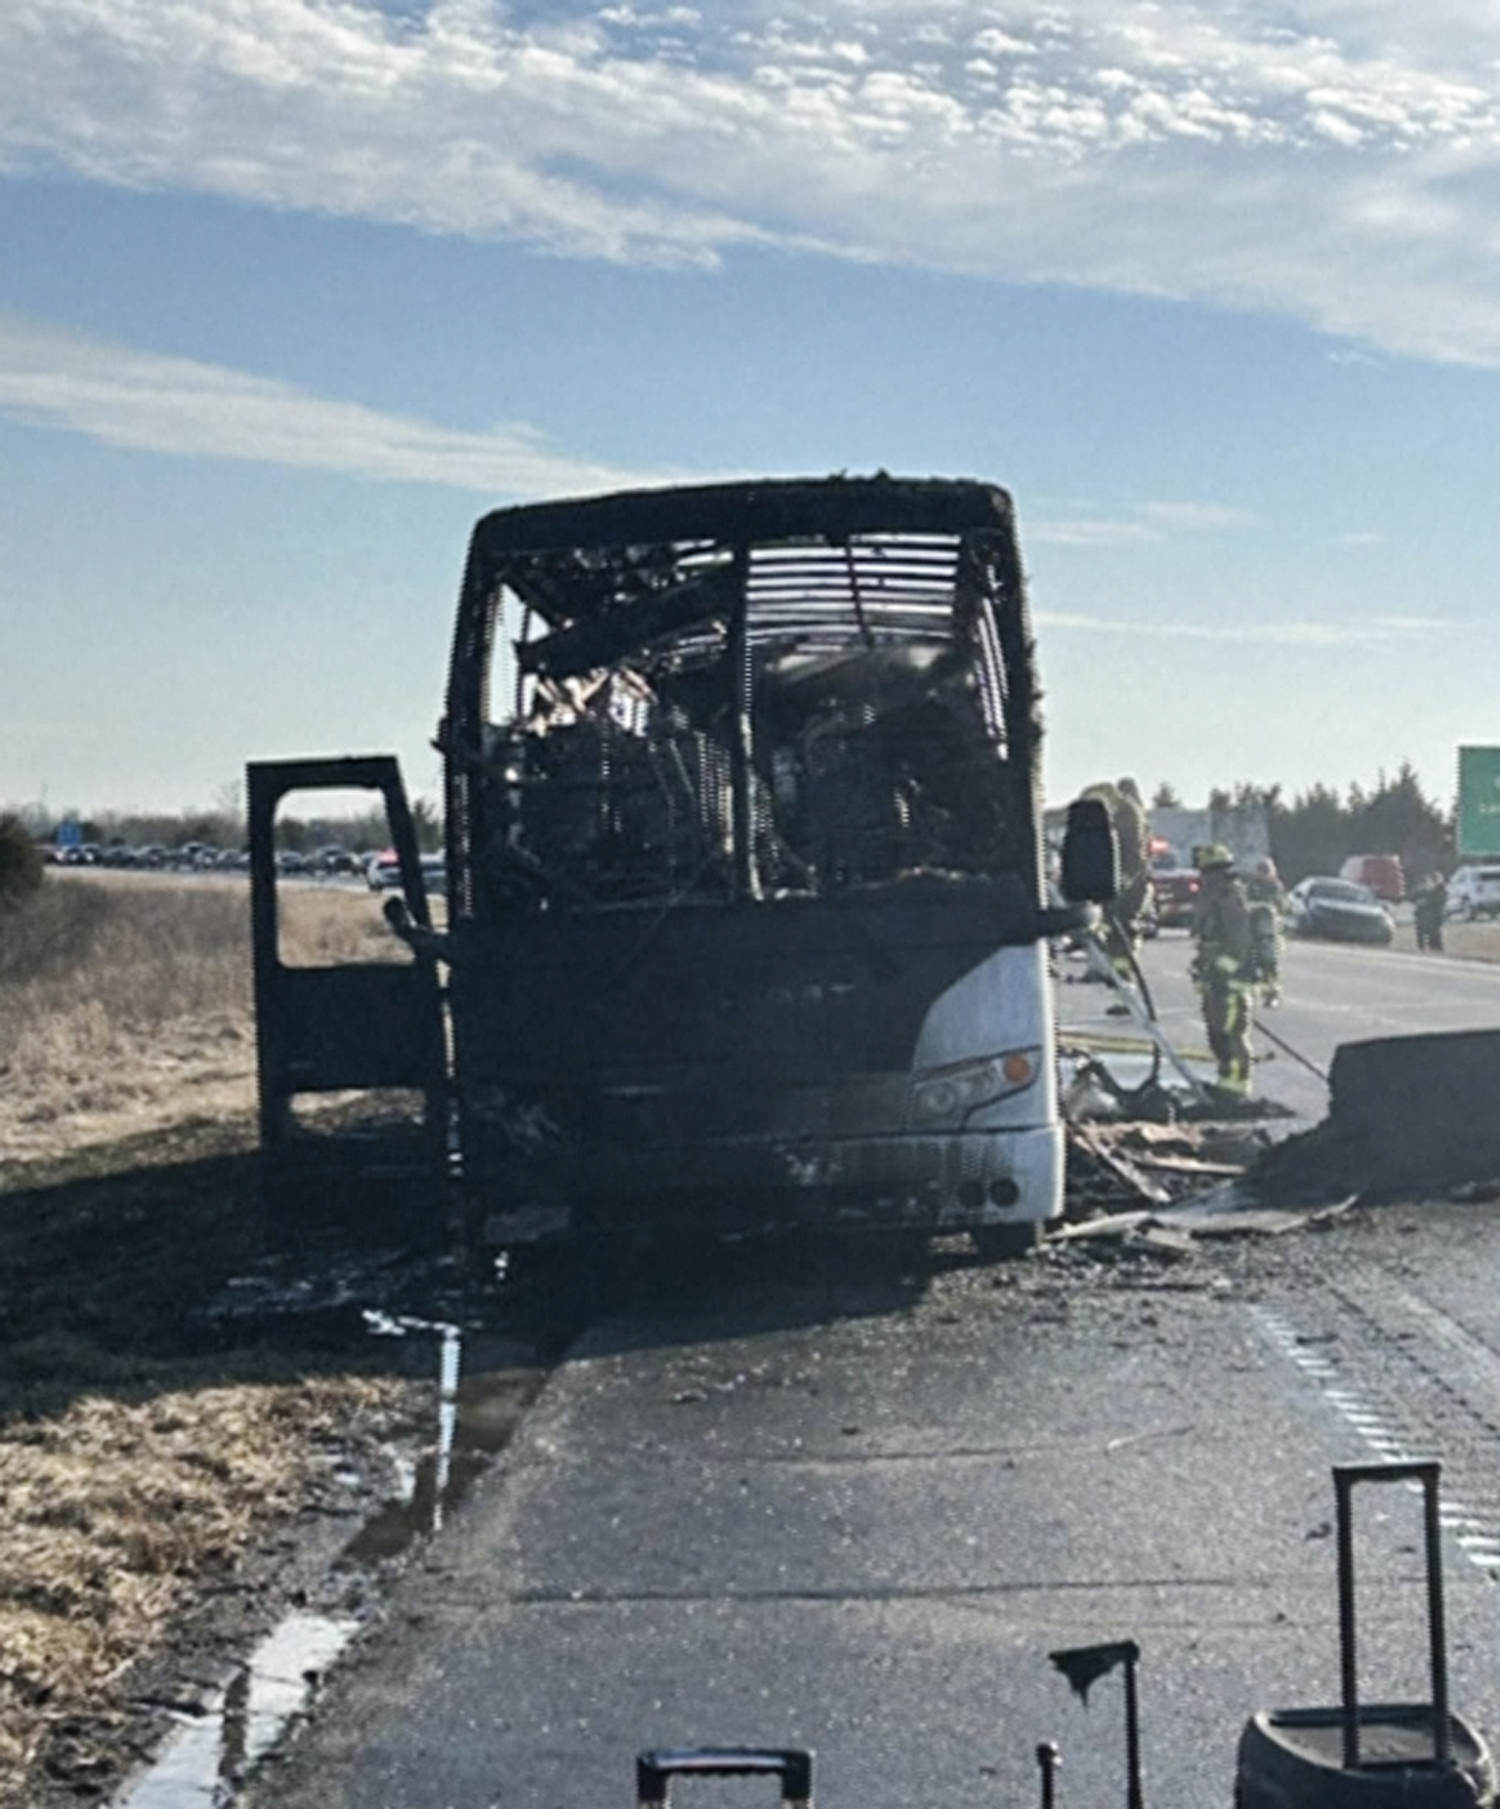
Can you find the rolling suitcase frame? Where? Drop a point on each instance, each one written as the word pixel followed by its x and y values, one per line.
pixel 1368 1755
pixel 790 1766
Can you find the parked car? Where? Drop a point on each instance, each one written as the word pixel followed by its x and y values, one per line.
pixel 1338 911
pixel 1474 892
pixel 1175 890
pixel 335 859
pixel 290 861
pixel 1380 872
pixel 383 872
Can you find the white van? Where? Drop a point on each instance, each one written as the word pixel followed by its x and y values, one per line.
pixel 1474 892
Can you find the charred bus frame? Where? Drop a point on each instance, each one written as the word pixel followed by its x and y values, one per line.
pixel 746 909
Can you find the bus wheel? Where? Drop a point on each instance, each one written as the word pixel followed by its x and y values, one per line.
pixel 1002 1243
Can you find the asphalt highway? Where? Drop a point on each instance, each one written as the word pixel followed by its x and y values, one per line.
pixel 825 1501
pixel 1331 994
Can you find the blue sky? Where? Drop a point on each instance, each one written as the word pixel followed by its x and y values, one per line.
pixel 290 293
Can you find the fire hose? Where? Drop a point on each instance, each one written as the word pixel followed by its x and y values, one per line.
pixel 1287 1049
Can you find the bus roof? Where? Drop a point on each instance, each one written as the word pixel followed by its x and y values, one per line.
pixel 762 509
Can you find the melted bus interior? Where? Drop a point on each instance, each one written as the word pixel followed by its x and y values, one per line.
pixel 751 785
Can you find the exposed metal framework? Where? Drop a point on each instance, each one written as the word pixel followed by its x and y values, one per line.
pixel 713 590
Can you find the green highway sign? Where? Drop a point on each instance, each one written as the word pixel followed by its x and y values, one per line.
pixel 1478 802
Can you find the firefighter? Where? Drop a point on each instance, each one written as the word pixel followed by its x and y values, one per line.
pixel 1431 908
pixel 1223 962
pixel 1267 902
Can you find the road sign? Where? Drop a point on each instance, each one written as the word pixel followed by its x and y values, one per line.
pixel 1478 802
pixel 69 835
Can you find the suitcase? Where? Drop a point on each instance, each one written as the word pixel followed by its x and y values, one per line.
pixel 1369 1755
pixel 791 1767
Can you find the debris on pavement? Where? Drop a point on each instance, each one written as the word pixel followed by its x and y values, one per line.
pixel 1234 1214
pixel 1115 1163
pixel 1089 1142
pixel 1166 1240
pixel 1161 1187
pixel 1409 1117
pixel 1470 1193
pixel 1174 1232
pixel 1106 1225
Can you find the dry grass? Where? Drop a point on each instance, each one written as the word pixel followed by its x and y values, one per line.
pixel 131 1485
pixel 125 1002
pixel 115 1511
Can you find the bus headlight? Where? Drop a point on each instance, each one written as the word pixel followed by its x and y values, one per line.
pixel 945 1096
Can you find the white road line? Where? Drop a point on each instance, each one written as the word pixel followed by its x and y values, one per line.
pixel 1479 1540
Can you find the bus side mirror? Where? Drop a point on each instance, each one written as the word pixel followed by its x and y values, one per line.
pixel 1090 854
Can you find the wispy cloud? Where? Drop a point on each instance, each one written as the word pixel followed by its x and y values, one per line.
pixel 178 405
pixel 1199 517
pixel 1337 163
pixel 1087 530
pixel 1148 521
pixel 1373 631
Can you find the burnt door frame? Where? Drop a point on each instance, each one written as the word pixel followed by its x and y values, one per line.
pixel 357 1026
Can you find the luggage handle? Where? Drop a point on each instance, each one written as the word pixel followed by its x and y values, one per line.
pixel 1426 1472
pixel 654 1771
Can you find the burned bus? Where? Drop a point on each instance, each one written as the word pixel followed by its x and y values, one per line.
pixel 746 917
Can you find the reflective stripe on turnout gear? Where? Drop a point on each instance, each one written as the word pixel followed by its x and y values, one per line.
pixel 1226 1017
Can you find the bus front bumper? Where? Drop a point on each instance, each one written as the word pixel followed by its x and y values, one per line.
pixel 959 1181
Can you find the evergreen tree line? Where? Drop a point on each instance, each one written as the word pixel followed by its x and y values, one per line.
pixel 1320 828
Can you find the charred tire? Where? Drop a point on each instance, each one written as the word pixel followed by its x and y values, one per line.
pixel 1004 1243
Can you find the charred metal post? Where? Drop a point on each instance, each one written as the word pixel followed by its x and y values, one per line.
pixel 518 707
pixel 1135 1796
pixel 1348 1652
pixel 263 795
pixel 1048 1758
pixel 461 732
pixel 1083 1666
pixel 1006 615
pixel 742 733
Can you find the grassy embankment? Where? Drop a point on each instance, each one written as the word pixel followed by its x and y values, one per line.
pixel 135 1473
pixel 126 1006
pixel 1466 941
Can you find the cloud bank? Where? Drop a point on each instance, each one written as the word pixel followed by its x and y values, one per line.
pixel 151 403
pixel 1337 163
